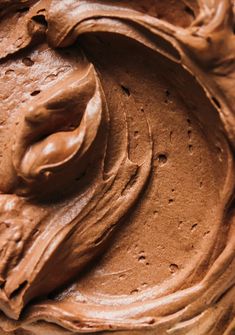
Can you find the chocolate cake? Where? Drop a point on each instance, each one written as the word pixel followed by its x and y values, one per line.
pixel 117 137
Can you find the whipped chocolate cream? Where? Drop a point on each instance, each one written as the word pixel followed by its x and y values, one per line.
pixel 117 136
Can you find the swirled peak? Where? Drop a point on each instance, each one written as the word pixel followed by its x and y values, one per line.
pixel 57 130
pixel 117 136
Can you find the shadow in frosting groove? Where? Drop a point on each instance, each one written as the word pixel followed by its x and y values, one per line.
pixel 116 167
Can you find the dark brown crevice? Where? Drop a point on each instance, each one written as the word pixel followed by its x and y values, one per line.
pixel 216 102
pixel 23 9
pixel 34 93
pixel 2 285
pixel 17 291
pixel 223 294
pixel 189 11
pixel 126 90
pixel 41 20
pixel 190 148
pixel 130 183
pixel 167 93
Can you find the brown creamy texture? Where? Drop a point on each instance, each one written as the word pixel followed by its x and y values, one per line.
pixel 117 134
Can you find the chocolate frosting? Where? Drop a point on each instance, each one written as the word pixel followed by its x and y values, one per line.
pixel 117 126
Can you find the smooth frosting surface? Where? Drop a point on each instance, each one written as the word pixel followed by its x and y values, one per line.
pixel 117 136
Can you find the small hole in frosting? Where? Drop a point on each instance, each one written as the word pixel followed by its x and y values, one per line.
pixel 134 291
pixel 151 321
pixel 167 93
pixel 162 159
pixel 40 19
pixel 35 93
pixel 126 90
pixel 173 268
pixel 194 227
pixel 27 61
pixel 141 259
pixel 206 233
pixel 189 134
pixel 9 72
